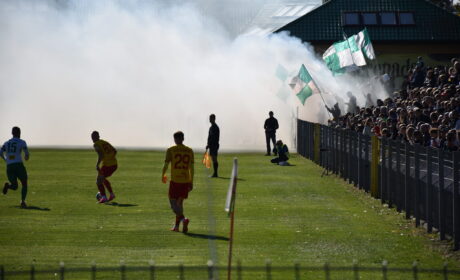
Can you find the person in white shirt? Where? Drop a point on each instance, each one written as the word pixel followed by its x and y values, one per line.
pixel 11 153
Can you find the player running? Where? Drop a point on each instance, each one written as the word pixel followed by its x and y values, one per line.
pixel 182 170
pixel 106 154
pixel 11 153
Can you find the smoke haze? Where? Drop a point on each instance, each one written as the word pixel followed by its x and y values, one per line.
pixel 137 73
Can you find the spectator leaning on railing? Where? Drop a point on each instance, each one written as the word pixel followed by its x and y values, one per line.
pixel 426 111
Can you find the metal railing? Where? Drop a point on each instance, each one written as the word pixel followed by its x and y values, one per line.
pixel 422 181
pixel 211 272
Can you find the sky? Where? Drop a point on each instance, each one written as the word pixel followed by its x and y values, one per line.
pixel 139 72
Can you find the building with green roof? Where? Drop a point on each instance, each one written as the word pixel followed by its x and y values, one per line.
pixel 400 30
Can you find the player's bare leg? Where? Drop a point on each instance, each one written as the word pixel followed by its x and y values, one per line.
pixel 109 188
pixel 178 209
pixel 185 221
pixel 100 185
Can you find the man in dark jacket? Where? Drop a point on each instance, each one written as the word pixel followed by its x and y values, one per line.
pixel 213 143
pixel 270 126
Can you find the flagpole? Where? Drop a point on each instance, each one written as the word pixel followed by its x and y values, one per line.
pixel 329 113
pixel 230 247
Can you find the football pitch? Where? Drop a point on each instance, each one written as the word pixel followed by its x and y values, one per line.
pixel 286 215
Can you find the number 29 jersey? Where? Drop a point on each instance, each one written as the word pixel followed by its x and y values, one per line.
pixel 181 158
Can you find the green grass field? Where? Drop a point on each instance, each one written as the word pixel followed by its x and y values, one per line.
pixel 284 214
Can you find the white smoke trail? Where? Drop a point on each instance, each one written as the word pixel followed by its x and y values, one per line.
pixel 138 73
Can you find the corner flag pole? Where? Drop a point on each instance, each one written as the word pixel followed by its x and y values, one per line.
pixel 230 208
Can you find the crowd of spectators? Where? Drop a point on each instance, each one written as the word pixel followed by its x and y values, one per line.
pixel 425 111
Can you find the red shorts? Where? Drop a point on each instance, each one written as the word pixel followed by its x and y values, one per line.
pixel 107 171
pixel 177 190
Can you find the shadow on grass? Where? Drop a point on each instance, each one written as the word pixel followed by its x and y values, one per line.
pixel 206 236
pixel 121 204
pixel 33 208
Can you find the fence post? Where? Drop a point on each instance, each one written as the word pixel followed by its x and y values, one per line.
pixel 398 184
pixel 210 270
pixel 32 272
pixel 367 164
pixel 383 171
pixel 268 269
pixel 327 271
pixel 61 270
pixel 360 163
pixel 407 181
pixel 416 192
pixel 317 142
pixel 122 270
pixel 350 157
pixel 336 152
pixel 375 166
pixel 152 269
pixel 355 270
pixel 415 270
pixel 384 269
pixel 93 271
pixel 341 145
pixel 390 186
pixel 441 211
pixel 428 197
pixel 445 271
pixel 456 202
pixel 297 271
pixel 239 270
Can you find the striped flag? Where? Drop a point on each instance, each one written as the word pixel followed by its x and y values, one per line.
pixel 347 55
pixel 303 85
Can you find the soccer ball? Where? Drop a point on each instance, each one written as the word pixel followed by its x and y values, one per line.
pixel 98 196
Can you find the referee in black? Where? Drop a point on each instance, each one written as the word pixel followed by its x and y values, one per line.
pixel 213 143
pixel 270 126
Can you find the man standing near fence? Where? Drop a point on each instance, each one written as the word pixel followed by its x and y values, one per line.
pixel 182 162
pixel 270 126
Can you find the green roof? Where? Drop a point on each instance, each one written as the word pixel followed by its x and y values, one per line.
pixel 324 23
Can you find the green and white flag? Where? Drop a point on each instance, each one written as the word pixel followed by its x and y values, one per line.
pixel 347 55
pixel 303 85
pixel 344 56
pixel 364 42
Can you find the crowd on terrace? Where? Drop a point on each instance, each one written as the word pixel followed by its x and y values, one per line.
pixel 425 111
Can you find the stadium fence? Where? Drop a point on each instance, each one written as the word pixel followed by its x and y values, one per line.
pixel 212 272
pixel 421 181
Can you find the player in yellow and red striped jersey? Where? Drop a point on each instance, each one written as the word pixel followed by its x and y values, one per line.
pixel 106 155
pixel 182 170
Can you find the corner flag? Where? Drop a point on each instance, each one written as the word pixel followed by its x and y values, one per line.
pixel 230 208
pixel 230 201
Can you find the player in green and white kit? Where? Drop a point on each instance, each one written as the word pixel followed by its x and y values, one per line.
pixel 11 153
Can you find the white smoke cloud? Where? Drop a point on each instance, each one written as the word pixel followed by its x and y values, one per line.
pixel 139 73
